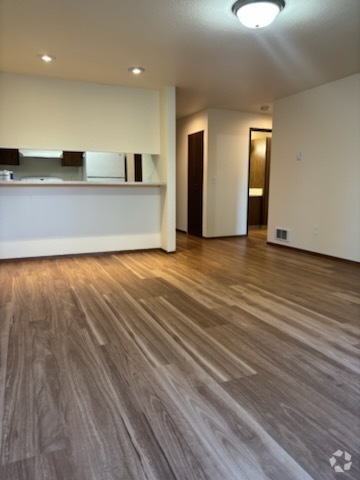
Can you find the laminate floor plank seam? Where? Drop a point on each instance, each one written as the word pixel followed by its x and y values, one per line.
pixel 348 358
pixel 306 368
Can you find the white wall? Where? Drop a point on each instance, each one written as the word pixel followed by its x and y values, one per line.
pixel 321 192
pixel 226 162
pixel 150 170
pixel 184 127
pixel 228 169
pixel 37 112
pixel 40 221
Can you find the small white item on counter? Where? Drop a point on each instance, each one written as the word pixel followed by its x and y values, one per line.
pixel 6 175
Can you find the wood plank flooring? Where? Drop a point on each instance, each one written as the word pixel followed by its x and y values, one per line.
pixel 229 360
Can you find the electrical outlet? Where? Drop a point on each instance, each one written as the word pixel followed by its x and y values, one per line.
pixel 315 230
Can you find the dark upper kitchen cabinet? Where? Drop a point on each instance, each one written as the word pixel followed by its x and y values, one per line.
pixel 9 156
pixel 72 159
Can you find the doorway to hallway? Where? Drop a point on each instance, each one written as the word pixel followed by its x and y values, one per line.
pixel 258 178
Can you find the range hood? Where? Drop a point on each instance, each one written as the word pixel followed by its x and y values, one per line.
pixel 30 152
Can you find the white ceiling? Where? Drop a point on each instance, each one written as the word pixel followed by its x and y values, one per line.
pixel 199 46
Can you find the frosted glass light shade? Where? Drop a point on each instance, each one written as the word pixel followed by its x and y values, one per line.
pixel 257 14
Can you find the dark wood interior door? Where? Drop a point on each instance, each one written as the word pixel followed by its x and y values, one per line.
pixel 195 183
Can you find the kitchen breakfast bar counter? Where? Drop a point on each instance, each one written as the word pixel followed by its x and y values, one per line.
pixel 65 218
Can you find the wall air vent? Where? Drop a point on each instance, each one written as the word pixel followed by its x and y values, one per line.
pixel 282 234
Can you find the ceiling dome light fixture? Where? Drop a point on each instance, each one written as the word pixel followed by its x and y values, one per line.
pixel 47 58
pixel 136 70
pixel 257 13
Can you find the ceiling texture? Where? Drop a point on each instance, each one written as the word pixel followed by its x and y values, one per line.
pixel 199 46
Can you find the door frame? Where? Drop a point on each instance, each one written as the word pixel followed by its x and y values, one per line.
pixel 265 130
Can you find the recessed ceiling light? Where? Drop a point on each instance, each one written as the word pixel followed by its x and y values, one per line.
pixel 136 70
pixel 47 58
pixel 257 13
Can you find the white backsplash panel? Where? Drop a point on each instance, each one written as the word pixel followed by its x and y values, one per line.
pixel 46 167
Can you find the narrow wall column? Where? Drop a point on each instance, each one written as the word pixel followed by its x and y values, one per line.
pixel 167 168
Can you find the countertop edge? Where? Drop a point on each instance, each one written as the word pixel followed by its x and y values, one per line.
pixel 14 183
